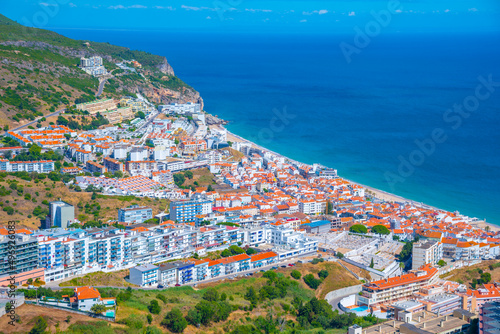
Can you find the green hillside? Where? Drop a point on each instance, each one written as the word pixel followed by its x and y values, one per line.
pixel 39 73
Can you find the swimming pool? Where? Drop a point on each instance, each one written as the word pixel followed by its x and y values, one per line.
pixel 360 309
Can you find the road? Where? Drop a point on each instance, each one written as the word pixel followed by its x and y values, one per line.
pixel 36 120
pixel 101 87
pixel 335 304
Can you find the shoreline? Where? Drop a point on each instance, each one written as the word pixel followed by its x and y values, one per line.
pixel 379 194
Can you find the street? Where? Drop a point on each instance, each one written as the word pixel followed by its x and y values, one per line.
pixel 36 120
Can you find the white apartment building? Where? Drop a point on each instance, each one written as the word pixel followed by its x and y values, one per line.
pixel 428 252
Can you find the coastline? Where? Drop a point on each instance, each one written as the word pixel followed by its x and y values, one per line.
pixel 379 194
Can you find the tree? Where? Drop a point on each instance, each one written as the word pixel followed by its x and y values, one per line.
pixel 206 310
pixel 251 296
pixel 251 251
pixel 225 253
pixel 188 174
pixel 380 229
pixel 179 179
pixel 311 281
pixel 193 317
pixel 150 318
pixel 98 308
pixel 372 264
pixel 358 228
pixel 35 150
pixel 441 263
pixel 174 321
pixel 485 277
pixel 329 208
pixel 141 115
pixel 235 250
pixel 210 188
pixel 154 307
pixel 323 274
pixel 223 297
pixel 40 326
pixel 7 155
pixel 211 295
pixel 296 274
pixel 340 255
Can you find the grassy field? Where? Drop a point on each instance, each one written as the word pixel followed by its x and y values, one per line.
pixel 338 277
pixel 235 155
pixel 186 298
pixel 116 278
pixel 465 275
pixel 201 176
pixel 47 190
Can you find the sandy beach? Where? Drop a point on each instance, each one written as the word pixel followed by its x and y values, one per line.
pixel 380 194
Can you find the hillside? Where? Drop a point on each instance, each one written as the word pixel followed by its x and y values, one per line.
pixel 29 201
pixel 471 275
pixel 39 74
pixel 278 303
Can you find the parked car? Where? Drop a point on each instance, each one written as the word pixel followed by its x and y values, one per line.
pixel 290 264
pixel 160 286
pixel 177 284
pixel 283 266
pixel 31 287
pixel 250 274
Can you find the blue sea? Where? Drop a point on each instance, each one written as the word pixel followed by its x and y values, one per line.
pixel 297 95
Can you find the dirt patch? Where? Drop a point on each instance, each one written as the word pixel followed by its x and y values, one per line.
pixel 28 313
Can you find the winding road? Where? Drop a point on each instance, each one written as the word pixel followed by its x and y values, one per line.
pixel 36 120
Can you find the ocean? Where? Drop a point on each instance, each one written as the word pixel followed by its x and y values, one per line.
pixel 404 115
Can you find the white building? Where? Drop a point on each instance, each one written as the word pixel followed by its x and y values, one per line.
pixel 430 251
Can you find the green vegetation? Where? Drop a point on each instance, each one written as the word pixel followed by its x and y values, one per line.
pixel 311 281
pixel 42 73
pixel 441 263
pixel 98 308
pixel 97 121
pixel 232 250
pixel 358 228
pixel 296 274
pixel 380 229
pixel 174 321
pixel 39 327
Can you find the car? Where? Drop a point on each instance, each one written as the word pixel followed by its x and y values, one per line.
pixel 274 268
pixel 283 266
pixel 290 264
pixel 160 286
pixel 262 271
pixel 177 284
pixel 250 274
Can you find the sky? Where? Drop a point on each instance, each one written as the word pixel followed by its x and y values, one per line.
pixel 258 16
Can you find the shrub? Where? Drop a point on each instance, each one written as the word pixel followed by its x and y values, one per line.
pixel 174 321
pixel 154 307
pixel 311 281
pixel 296 274
pixel 162 298
pixel 323 274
